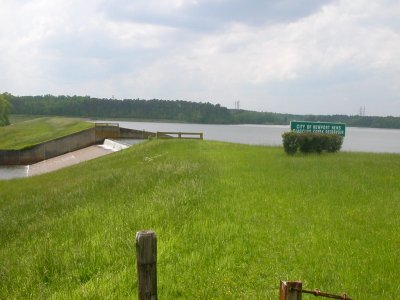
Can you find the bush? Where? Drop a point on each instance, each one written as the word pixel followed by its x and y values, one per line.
pixel 334 143
pixel 308 142
pixel 290 142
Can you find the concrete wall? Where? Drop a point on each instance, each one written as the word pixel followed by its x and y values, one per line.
pixel 105 131
pixel 69 143
pixel 48 149
pixel 9 157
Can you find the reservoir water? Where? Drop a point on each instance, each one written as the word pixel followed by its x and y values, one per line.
pixel 357 139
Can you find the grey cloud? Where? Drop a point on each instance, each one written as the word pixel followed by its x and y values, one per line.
pixel 212 15
pixel 91 56
pixel 256 12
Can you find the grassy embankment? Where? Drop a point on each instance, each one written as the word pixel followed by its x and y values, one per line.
pixel 232 220
pixel 25 132
pixel 22 118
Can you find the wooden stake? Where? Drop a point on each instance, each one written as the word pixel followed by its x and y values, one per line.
pixel 290 290
pixel 146 253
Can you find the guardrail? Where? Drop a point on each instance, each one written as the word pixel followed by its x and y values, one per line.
pixel 179 135
pixel 107 124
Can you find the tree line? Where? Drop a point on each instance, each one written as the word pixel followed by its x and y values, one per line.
pixel 178 110
pixel 253 117
pixel 85 106
pixel 5 108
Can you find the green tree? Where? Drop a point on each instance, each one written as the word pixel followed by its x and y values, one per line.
pixel 4 110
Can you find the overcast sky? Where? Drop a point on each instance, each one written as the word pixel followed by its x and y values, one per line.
pixel 303 57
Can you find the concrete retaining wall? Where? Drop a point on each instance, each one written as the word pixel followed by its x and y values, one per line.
pixel 9 157
pixel 48 149
pixel 67 144
pixel 107 131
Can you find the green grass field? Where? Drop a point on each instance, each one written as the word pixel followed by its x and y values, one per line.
pixel 22 118
pixel 25 131
pixel 232 221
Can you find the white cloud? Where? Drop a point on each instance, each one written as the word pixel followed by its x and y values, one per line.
pixel 321 42
pixel 338 37
pixel 345 52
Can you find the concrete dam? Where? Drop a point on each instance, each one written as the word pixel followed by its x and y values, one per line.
pixel 73 142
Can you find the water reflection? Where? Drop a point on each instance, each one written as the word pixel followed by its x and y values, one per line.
pixel 10 172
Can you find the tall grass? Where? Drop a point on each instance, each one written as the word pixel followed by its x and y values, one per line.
pixel 34 131
pixel 232 220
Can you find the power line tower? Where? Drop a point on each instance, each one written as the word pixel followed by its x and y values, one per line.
pixel 237 105
pixel 362 111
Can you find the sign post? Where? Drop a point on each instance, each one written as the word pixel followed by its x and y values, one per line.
pixel 318 127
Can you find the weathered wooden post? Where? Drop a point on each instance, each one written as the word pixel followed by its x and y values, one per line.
pixel 146 254
pixel 290 290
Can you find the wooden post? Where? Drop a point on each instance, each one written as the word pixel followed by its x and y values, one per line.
pixel 201 135
pixel 179 135
pixel 146 254
pixel 290 290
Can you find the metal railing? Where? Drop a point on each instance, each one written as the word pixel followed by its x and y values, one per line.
pixel 106 124
pixel 179 135
pixel 294 289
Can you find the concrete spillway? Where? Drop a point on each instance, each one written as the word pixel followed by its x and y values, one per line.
pixel 62 161
pixel 113 145
pixel 66 144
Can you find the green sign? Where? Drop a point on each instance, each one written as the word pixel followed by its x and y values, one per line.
pixel 318 127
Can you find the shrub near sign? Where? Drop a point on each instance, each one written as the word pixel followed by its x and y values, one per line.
pixel 318 127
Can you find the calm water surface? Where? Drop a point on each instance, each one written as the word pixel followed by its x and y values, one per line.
pixel 10 172
pixel 357 139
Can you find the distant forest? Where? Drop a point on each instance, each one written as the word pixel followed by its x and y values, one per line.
pixel 179 111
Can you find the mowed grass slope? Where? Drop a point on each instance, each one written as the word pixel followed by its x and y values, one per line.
pixel 31 132
pixel 22 118
pixel 232 221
